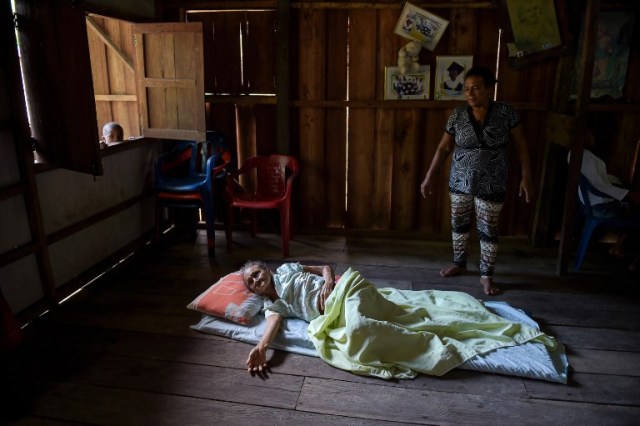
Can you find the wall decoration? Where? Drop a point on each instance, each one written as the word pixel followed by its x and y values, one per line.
pixel 422 26
pixel 534 30
pixel 450 72
pixel 411 85
pixel 534 26
pixel 611 55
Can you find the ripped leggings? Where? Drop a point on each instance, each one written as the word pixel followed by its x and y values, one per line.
pixel 487 219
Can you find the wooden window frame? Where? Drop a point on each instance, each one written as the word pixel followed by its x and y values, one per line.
pixel 54 52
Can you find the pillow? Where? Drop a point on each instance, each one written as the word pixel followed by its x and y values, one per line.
pixel 228 298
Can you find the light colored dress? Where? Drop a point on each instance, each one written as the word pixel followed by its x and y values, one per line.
pixel 298 291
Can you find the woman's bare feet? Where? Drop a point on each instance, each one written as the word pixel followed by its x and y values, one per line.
pixel 452 271
pixel 487 285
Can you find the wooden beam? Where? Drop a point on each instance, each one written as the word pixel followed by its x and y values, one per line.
pixel 21 135
pixel 111 98
pixel 93 25
pixel 243 5
pixel 369 5
pixel 181 83
pixel 577 146
pixel 283 80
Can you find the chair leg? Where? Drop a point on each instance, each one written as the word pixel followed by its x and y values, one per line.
pixel 227 227
pixel 585 237
pixel 285 228
pixel 210 217
pixel 158 230
pixel 254 222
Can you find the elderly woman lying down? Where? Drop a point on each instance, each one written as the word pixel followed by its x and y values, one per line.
pixel 387 333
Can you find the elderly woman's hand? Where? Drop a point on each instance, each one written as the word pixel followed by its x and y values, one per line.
pixel 327 288
pixel 257 361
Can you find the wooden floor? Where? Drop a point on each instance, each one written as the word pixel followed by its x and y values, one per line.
pixel 121 352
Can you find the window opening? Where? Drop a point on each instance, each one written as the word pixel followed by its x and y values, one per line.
pixel 244 31
pixel 242 56
pixel 37 158
pixel 495 92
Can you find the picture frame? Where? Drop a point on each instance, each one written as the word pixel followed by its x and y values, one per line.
pixel 535 30
pixel 420 25
pixel 611 55
pixel 534 25
pixel 411 85
pixel 449 81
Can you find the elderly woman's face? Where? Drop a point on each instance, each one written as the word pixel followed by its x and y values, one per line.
pixel 258 279
pixel 476 92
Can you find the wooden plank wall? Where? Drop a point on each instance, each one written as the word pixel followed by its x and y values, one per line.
pixel 379 150
pixel 362 157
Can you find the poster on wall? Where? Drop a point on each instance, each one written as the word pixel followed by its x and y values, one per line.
pixel 422 26
pixel 534 26
pixel 611 54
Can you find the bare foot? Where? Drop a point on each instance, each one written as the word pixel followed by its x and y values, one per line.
pixel 452 271
pixel 487 285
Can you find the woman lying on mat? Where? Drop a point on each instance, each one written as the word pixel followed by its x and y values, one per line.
pixel 382 332
pixel 287 294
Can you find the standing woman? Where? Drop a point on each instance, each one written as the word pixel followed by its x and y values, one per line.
pixel 478 134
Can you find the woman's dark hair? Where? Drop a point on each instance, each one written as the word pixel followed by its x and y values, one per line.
pixel 483 72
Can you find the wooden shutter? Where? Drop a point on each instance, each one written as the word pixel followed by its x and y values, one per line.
pixel 170 80
pixel 57 70
pixel 114 83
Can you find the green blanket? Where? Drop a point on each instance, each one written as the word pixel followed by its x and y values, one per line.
pixel 392 333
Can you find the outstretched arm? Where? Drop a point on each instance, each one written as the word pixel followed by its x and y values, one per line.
pixel 526 187
pixel 329 281
pixel 442 153
pixel 257 361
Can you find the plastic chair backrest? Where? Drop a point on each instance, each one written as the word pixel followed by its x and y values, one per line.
pixel 272 175
pixel 216 144
pixel 585 187
pixel 195 154
pixel 180 161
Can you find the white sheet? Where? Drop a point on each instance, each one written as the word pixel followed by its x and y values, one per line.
pixel 530 360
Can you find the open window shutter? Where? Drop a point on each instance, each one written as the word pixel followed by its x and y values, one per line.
pixel 57 70
pixel 170 80
pixel 114 83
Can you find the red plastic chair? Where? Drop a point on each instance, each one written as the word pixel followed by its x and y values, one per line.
pixel 274 176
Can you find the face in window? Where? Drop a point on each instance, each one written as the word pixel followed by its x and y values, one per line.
pixel 111 137
pixel 112 132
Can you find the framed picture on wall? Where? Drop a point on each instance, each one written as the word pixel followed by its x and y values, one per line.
pixel 450 72
pixel 537 29
pixel 412 85
pixel 422 26
pixel 534 25
pixel 611 55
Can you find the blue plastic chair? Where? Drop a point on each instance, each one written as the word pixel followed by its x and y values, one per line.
pixel 591 222
pixel 192 175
